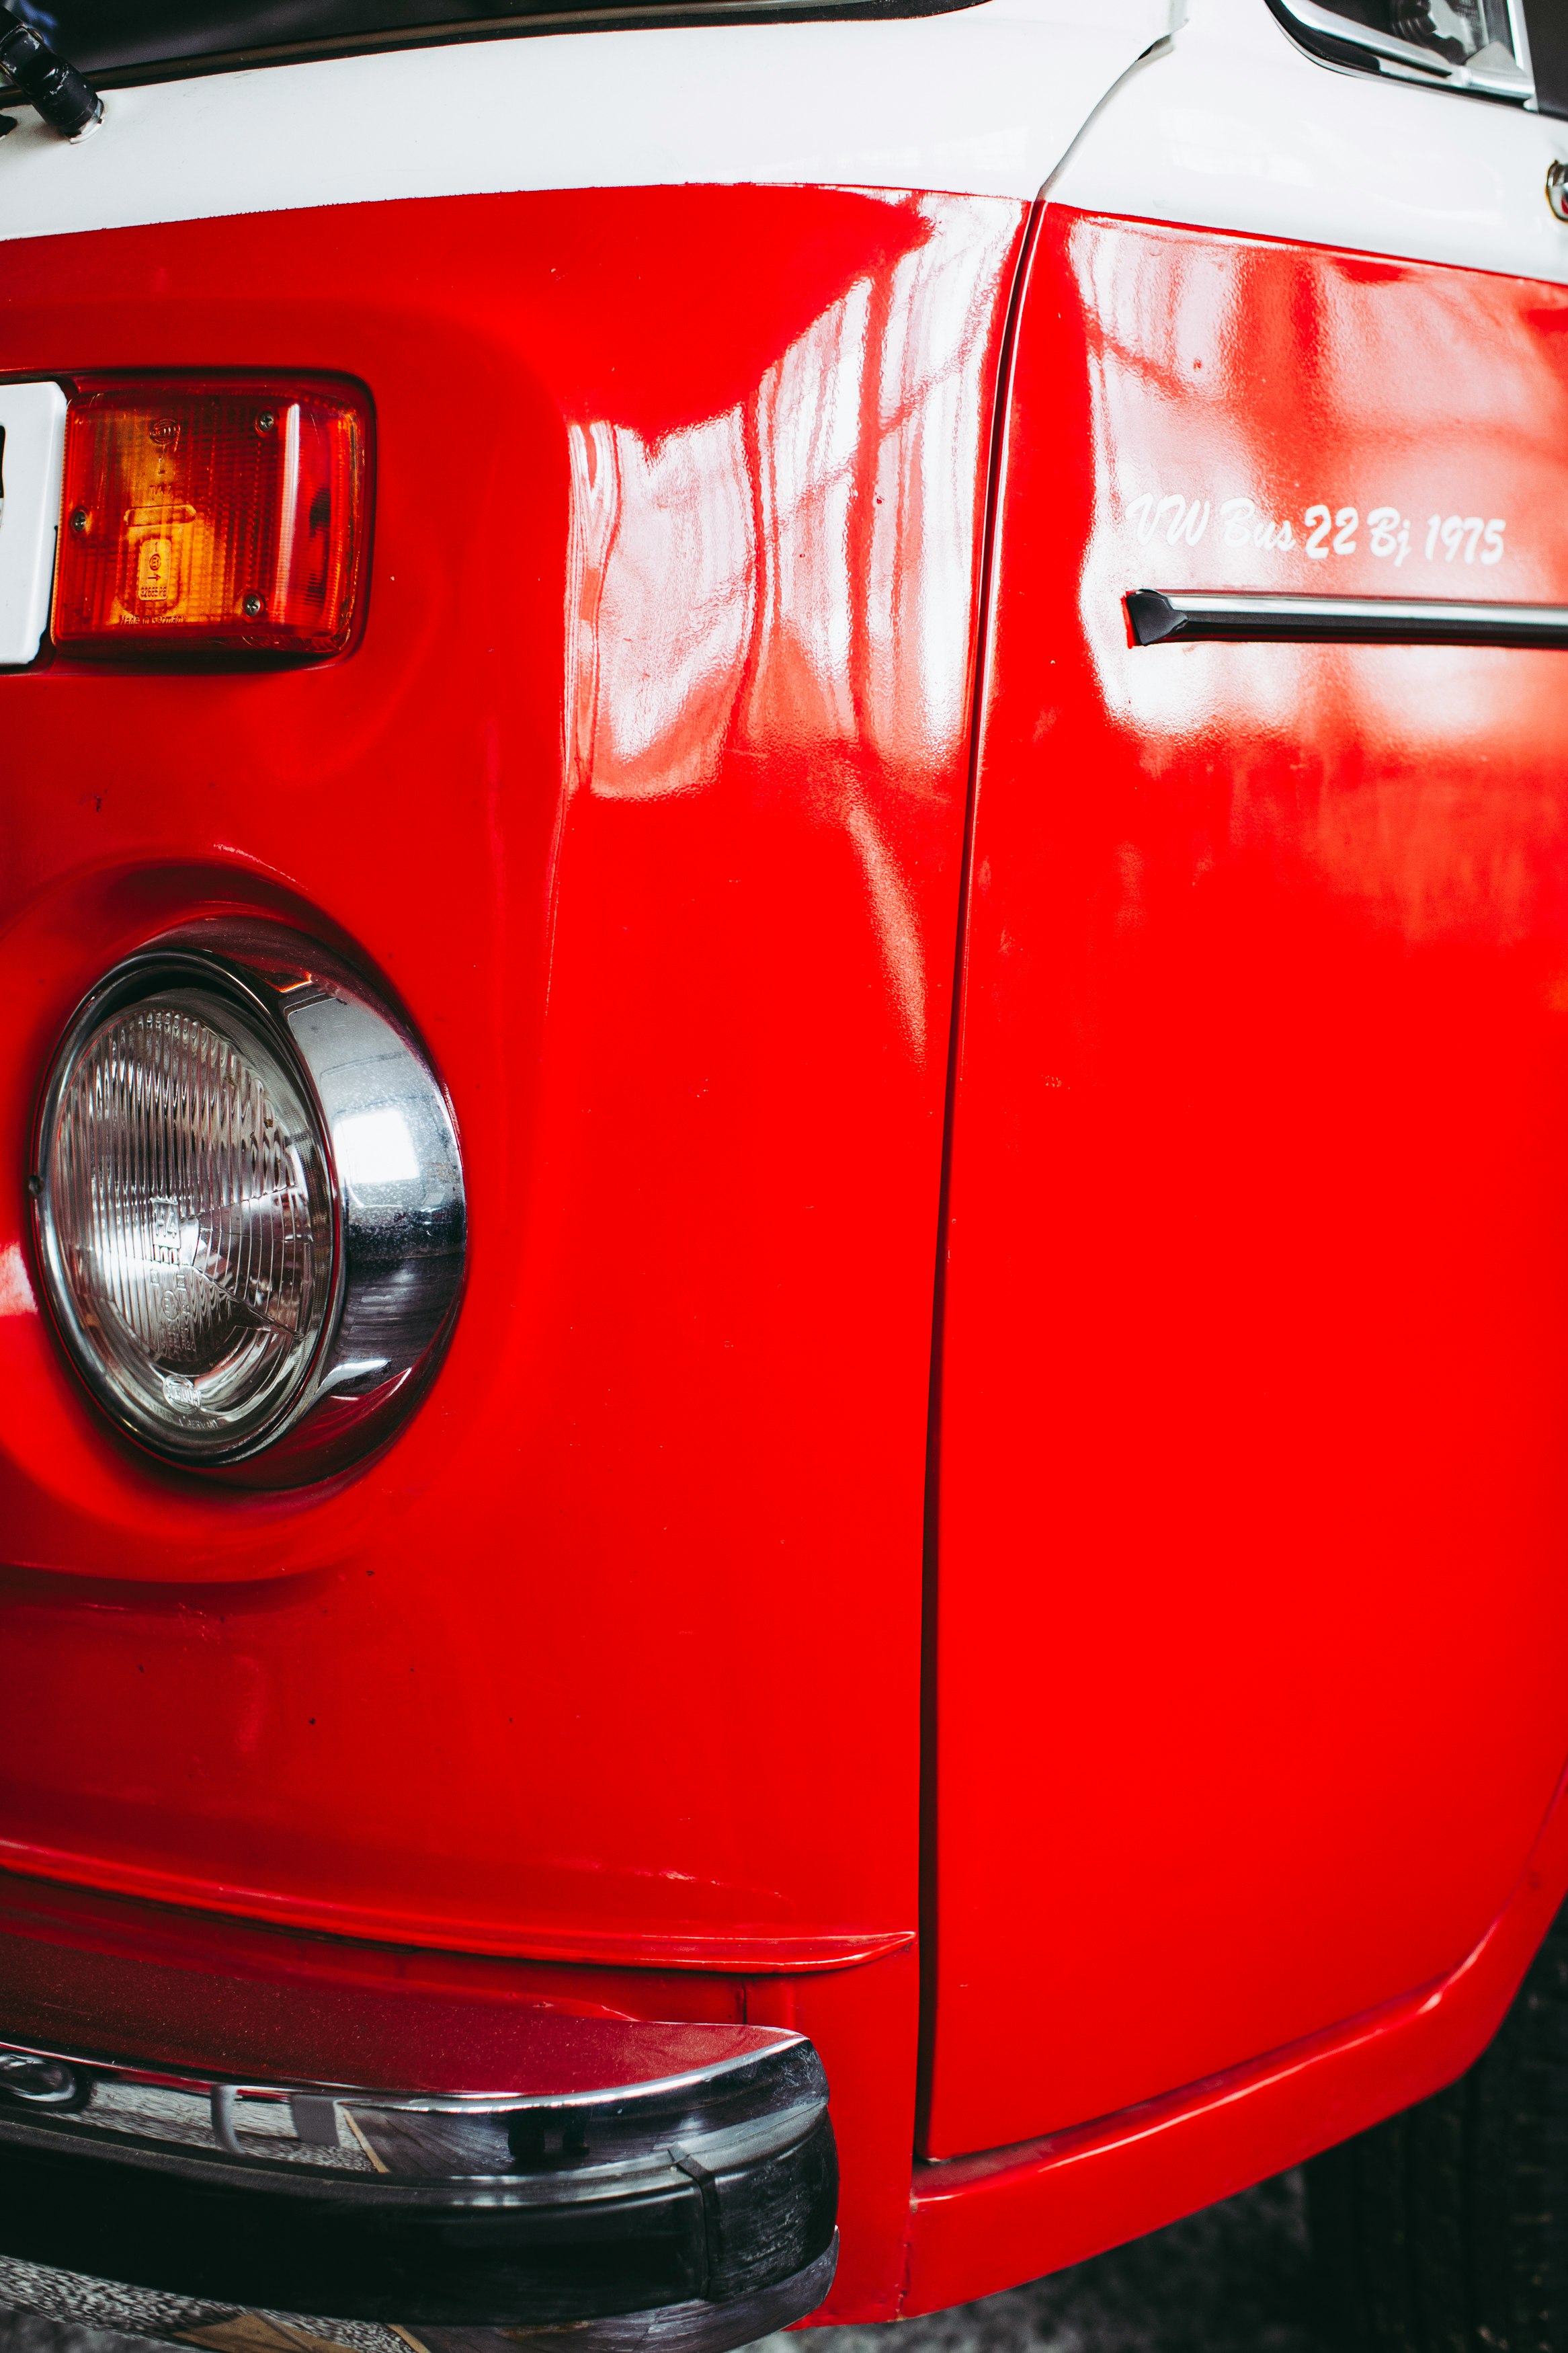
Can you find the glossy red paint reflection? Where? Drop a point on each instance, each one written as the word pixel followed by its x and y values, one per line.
pixel 984 2223
pixel 644 792
pixel 1252 1484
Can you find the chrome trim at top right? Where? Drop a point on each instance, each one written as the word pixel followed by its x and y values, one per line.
pixel 1388 51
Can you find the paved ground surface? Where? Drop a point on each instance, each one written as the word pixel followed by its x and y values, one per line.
pixel 1236 2279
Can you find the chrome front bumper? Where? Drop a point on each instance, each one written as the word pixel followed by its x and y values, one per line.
pixel 691 2209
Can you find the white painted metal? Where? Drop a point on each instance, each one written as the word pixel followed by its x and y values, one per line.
pixel 33 418
pixel 1229 125
pixel 1237 128
pixel 984 100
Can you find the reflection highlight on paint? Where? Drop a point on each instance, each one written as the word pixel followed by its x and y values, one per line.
pixel 794 577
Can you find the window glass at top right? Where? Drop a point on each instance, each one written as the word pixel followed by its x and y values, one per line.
pixel 1478 45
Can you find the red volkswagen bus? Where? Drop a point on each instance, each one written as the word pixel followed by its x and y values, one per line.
pixel 784 1211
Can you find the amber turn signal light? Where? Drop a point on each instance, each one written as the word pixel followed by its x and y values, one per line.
pixel 211 515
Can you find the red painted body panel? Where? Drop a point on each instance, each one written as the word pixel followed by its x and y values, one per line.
pixel 644 791
pixel 984 2223
pixel 1253 1493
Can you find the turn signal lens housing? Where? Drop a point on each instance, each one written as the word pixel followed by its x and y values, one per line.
pixel 223 515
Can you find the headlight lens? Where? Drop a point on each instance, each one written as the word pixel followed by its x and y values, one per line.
pixel 190 1227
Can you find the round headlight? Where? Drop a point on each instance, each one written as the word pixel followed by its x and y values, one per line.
pixel 249 1203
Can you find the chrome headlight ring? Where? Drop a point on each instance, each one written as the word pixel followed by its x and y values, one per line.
pixel 249 1204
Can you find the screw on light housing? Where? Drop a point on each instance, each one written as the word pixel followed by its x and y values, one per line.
pixel 66 100
pixel 1557 190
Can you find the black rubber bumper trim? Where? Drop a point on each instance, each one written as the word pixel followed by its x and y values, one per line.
pixel 694 2327
pixel 473 2253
